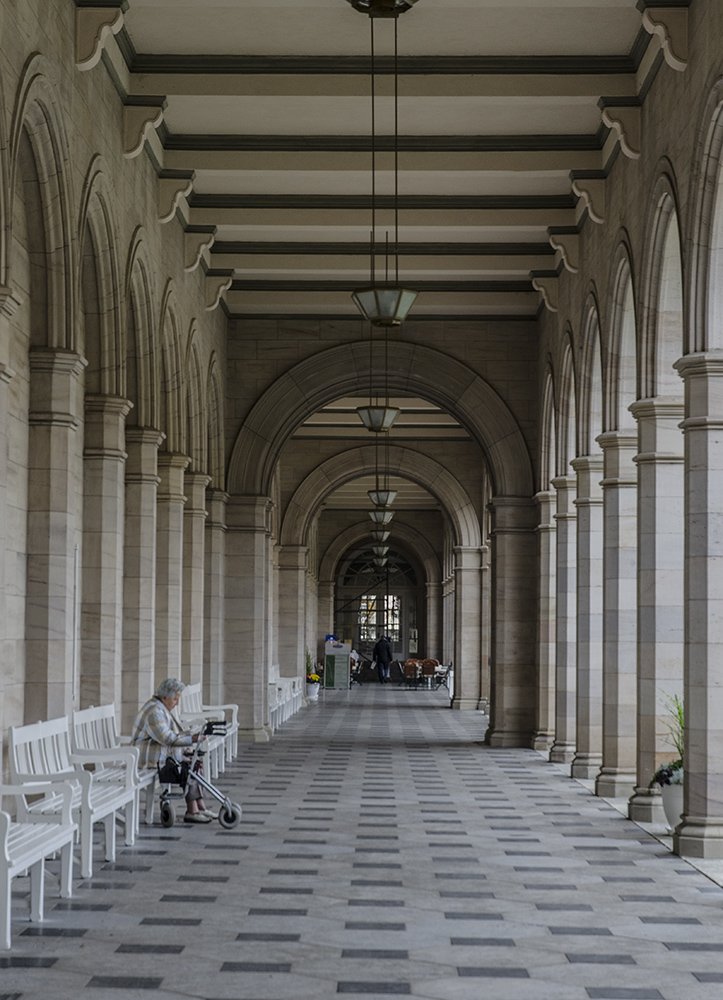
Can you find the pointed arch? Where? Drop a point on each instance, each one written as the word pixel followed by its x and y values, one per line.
pixel 195 408
pixel 172 380
pixel 620 368
pixel 38 134
pixel 590 398
pixel 412 368
pixel 548 446
pixel 98 287
pixel 215 426
pixel 356 462
pixel 142 367
pixel 567 408
pixel 662 333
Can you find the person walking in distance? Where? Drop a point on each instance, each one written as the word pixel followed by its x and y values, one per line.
pixel 383 657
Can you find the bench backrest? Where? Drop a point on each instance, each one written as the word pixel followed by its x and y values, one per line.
pixel 94 728
pixel 191 701
pixel 40 748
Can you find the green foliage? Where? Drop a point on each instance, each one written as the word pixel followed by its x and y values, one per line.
pixel 309 663
pixel 676 725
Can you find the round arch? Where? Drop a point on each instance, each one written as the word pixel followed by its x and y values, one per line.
pixel 404 533
pixel 142 361
pixel 5 194
pixel 195 408
pixel 343 371
pixel 172 388
pixel 620 345
pixel 547 428
pixel 352 464
pixel 589 397
pixel 567 408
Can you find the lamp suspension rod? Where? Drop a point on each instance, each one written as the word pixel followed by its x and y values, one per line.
pixel 374 151
pixel 396 150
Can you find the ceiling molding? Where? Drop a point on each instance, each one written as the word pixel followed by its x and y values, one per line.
pixel 308 248
pixel 384 143
pixel 445 318
pixel 406 202
pixel 285 285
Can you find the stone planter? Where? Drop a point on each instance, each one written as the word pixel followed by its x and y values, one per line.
pixel 672 804
pixel 312 692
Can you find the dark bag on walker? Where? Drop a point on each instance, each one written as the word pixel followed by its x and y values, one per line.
pixel 173 772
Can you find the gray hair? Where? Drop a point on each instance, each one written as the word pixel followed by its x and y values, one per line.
pixel 168 687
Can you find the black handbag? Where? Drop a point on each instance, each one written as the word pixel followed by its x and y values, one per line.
pixel 173 772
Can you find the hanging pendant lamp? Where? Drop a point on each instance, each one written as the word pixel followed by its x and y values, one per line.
pixel 384 303
pixel 380 550
pixel 379 534
pixel 381 515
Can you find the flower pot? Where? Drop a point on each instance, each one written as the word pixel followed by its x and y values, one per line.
pixel 312 692
pixel 672 804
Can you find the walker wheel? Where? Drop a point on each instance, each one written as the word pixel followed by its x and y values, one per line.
pixel 229 817
pixel 168 814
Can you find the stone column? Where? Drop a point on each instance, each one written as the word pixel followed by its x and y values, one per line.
pixel 248 566
pixel 169 564
pixel 588 702
pixel 101 626
pixel 563 749
pixel 661 570
pixel 514 606
pixel 325 617
pixel 9 304
pixel 467 631
pixel 53 601
pixel 546 620
pixel 700 833
pixel 292 610
pixel 139 571
pixel 214 594
pixel 617 774
pixel 434 637
pixel 448 619
pixel 486 630
pixel 194 576
pixel 273 621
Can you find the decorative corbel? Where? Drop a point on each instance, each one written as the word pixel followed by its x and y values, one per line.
pixel 217 282
pixel 624 120
pixel 196 239
pixel 547 285
pixel 592 192
pixel 670 24
pixel 568 243
pixel 94 24
pixel 172 186
pixel 10 301
pixel 138 120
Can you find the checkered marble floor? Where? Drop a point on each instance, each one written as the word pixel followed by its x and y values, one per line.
pixel 383 851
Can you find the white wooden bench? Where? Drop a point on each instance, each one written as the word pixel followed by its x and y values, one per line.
pixel 41 752
pixel 192 711
pixel 285 697
pixel 24 846
pixel 94 729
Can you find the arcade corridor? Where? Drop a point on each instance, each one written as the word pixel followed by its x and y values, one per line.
pixel 385 851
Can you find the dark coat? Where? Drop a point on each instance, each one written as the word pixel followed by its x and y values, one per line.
pixel 383 652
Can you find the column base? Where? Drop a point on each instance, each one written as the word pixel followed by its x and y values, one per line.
pixel 586 765
pixel 542 741
pixel 260 735
pixel 508 739
pixel 562 753
pixel 465 704
pixel 699 837
pixel 615 783
pixel 646 806
pixel 483 705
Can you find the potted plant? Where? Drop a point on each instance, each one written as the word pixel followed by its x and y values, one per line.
pixel 313 679
pixel 670 776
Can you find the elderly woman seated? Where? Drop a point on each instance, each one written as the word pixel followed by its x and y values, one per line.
pixel 158 735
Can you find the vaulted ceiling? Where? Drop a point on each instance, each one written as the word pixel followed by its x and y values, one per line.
pixel 256 114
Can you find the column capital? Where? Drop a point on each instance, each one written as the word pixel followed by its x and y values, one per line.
pixel 563 483
pixel 145 436
pixel 671 407
pixel 292 556
pixel 702 363
pixel 617 440
pixel 546 501
pixel 512 514
pixel 587 463
pixel 216 501
pixel 249 513
pixel 171 467
pixel 104 426
pixel 194 486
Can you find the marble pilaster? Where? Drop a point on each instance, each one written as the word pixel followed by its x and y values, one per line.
pixel 546 618
pixel 565 518
pixel 169 564
pixel 194 576
pixel 9 303
pixel 434 624
pixel 139 571
pixel 484 700
pixel 514 598
pixel 467 632
pixel 326 590
pixel 101 624
pixel 700 832
pixel 291 627
pixel 661 570
pixel 248 569
pixel 617 774
pixel 53 600
pixel 214 591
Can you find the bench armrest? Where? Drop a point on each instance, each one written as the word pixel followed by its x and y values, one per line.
pixel 62 816
pixel 120 755
pixel 233 709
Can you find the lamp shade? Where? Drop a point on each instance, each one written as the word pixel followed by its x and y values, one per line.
pixel 382 498
pixel 384 305
pixel 381 516
pixel 379 534
pixel 382 8
pixel 380 561
pixel 377 418
pixel 380 550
